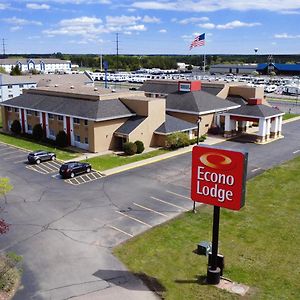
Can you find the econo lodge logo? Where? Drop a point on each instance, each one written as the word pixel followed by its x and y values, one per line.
pixel 217 176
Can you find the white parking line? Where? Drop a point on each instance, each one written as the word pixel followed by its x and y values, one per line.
pixel 135 219
pixel 84 179
pixel 36 170
pixel 15 156
pixel 95 177
pixel 296 151
pixel 256 169
pixel 45 167
pixel 122 231
pixel 177 206
pixel 20 161
pixel 179 195
pixel 152 210
pixel 10 152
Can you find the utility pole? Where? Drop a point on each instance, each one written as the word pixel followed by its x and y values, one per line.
pixel 117 44
pixel 101 62
pixel 3 47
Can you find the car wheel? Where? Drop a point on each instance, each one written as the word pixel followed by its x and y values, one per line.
pixel 53 158
pixel 38 161
pixel 72 175
pixel 88 170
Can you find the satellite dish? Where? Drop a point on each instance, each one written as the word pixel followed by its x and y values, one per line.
pixel 255 50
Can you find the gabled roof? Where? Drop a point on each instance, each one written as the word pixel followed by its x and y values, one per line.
pixel 259 110
pixel 130 125
pixel 198 102
pixel 173 124
pixel 94 110
pixel 13 61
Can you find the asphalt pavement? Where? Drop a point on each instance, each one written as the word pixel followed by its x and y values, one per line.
pixel 66 232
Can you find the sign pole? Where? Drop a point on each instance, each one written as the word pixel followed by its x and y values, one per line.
pixel 213 272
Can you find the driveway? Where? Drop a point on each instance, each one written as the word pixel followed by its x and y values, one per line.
pixel 66 232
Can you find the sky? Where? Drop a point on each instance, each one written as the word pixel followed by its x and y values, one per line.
pixel 150 27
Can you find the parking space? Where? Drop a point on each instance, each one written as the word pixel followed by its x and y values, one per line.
pixel 85 178
pixel 13 154
pixel 48 167
pixel 156 209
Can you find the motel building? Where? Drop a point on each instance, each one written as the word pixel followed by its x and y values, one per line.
pixel 94 120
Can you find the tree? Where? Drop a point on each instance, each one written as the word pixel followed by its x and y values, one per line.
pixel 38 132
pixel 139 146
pixel 15 70
pixel 5 187
pixel 177 140
pixel 16 127
pixel 61 139
pixel 2 70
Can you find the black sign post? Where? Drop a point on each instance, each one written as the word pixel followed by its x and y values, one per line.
pixel 105 65
pixel 213 271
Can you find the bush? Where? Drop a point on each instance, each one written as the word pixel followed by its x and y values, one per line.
pixel 139 146
pixel 130 148
pixel 214 129
pixel 38 132
pixel 16 127
pixel 61 139
pixel 177 140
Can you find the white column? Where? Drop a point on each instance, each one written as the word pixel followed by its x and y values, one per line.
pixel 72 131
pixel 65 124
pixel 41 118
pixel 47 126
pixel 227 123
pixel 274 127
pixel 268 128
pixel 279 125
pixel 190 134
pixel 262 128
pixel 218 119
pixel 25 121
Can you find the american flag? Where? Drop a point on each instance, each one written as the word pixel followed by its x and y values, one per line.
pixel 198 41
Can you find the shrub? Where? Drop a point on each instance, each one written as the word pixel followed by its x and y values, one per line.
pixel 16 127
pixel 139 146
pixel 61 139
pixel 130 148
pixel 214 129
pixel 38 132
pixel 177 140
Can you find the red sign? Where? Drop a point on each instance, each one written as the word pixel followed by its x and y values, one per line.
pixel 219 177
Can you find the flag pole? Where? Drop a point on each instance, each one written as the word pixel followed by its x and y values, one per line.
pixel 204 60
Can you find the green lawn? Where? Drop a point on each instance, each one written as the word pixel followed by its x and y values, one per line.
pixel 289 116
pixel 30 145
pixel 260 244
pixel 109 161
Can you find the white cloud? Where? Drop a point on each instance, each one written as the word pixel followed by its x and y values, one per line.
pixel 290 12
pixel 193 20
pixel 236 24
pixel 88 21
pixel 207 25
pixel 20 22
pixel 4 6
pixel 37 6
pixel 215 5
pixel 15 28
pixel 140 27
pixel 163 31
pixel 122 20
pixel 148 19
pixel 286 36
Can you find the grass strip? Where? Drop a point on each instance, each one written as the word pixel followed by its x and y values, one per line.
pixel 32 146
pixel 260 244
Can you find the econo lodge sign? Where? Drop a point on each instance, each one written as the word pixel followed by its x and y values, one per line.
pixel 219 177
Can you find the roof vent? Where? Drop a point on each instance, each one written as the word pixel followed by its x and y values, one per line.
pixel 113 90
pixel 95 89
pixel 56 85
pixel 72 87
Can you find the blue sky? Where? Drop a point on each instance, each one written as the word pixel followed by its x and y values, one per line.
pixel 148 27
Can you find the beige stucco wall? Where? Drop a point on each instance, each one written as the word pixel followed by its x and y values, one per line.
pixel 248 92
pixel 206 120
pixel 156 117
pixel 224 92
pixel 101 134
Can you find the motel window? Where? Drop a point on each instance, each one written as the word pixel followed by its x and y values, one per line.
pixel 21 86
pixel 51 132
pixel 36 113
pixel 10 96
pixel 29 127
pixel 86 140
pixel 77 138
pixel 85 122
pixel 16 110
pixel 29 112
pixel 50 116
pixel 76 121
pixel 60 118
pixel 9 109
pixel 9 86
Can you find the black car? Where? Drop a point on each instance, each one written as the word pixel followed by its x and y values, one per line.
pixel 38 156
pixel 72 168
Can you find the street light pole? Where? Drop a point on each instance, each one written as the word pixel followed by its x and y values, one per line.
pixel 198 140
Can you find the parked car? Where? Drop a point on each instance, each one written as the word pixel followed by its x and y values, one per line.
pixel 70 169
pixel 38 156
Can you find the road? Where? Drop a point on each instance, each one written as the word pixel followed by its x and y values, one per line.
pixel 66 232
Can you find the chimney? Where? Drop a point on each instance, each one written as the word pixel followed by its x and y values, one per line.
pixel 254 101
pixel 189 86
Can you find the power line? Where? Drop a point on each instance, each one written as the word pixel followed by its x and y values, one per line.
pixel 117 44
